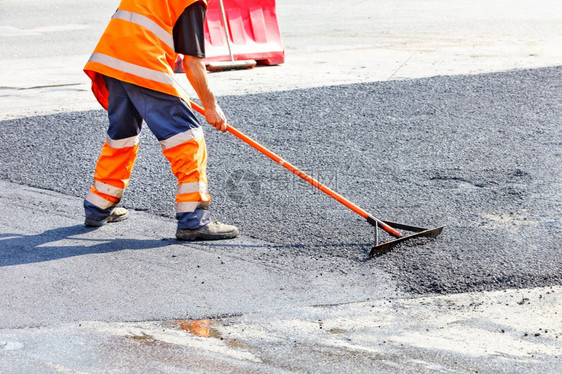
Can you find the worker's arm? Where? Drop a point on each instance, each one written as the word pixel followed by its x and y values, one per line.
pixel 197 75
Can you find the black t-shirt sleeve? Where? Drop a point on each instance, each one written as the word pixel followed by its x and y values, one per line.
pixel 189 35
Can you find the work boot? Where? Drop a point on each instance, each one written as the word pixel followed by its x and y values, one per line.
pixel 212 231
pixel 116 215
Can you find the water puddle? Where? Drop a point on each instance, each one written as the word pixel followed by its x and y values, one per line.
pixel 205 328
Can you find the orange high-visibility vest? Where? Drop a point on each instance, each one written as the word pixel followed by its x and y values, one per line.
pixel 138 47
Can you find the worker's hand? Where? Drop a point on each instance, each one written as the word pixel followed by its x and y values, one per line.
pixel 216 117
pixel 197 75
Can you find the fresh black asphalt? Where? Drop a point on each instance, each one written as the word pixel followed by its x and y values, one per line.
pixel 478 154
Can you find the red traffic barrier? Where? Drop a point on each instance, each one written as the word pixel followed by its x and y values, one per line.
pixel 253 30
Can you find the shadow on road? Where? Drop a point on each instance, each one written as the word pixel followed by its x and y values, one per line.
pixel 62 242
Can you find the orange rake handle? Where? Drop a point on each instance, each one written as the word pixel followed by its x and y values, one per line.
pixel 287 165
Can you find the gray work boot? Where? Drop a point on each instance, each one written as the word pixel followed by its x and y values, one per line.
pixel 116 215
pixel 213 231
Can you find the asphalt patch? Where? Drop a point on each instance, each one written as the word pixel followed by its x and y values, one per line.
pixel 478 154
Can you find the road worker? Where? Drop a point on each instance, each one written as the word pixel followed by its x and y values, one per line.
pixel 132 78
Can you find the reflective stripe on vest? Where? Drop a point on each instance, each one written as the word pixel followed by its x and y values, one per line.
pixel 139 71
pixel 148 24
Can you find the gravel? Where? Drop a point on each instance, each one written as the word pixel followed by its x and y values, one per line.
pixel 478 154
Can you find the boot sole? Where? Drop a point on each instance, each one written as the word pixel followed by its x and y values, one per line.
pixel 93 223
pixel 200 236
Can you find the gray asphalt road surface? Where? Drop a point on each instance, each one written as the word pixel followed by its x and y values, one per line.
pixel 478 154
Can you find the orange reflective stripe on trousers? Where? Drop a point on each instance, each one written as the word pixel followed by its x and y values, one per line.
pixel 189 164
pixel 188 161
pixel 113 171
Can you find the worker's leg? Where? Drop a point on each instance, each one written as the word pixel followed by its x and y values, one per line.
pixel 117 158
pixel 173 123
pixel 180 134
